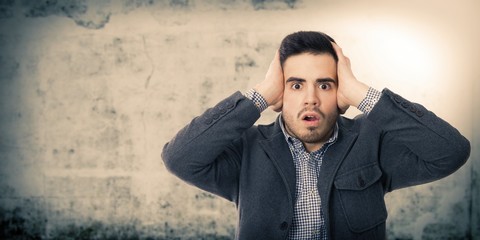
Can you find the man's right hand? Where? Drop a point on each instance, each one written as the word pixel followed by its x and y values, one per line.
pixel 271 88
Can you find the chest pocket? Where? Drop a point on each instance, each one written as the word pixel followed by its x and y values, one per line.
pixel 361 195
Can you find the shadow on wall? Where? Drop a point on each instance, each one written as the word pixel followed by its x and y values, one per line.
pixel 25 223
pixel 29 219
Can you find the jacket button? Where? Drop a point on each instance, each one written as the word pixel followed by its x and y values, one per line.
pixel 361 182
pixel 284 226
pixel 412 108
pixel 405 104
pixel 208 121
pixel 397 99
pixel 419 113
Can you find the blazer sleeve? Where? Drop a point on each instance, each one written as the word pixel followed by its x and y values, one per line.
pixel 207 152
pixel 417 146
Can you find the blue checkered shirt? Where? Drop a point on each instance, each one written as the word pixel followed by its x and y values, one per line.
pixel 308 218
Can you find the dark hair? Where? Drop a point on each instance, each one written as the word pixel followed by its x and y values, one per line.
pixel 306 42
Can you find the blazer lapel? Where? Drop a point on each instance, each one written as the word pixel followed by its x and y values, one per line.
pixel 331 163
pixel 279 153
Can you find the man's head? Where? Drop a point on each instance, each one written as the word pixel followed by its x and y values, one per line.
pixel 309 65
pixel 306 42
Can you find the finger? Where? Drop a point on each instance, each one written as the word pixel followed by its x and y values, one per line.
pixel 340 55
pixel 276 60
pixel 347 60
pixel 338 49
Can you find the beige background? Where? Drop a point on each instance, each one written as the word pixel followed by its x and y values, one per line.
pixel 92 90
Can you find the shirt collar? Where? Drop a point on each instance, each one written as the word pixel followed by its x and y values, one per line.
pixel 297 144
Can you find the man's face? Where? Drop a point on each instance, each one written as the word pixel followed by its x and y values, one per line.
pixel 310 97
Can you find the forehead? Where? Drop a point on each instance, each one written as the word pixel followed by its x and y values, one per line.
pixel 310 66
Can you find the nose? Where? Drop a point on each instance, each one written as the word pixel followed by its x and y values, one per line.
pixel 311 97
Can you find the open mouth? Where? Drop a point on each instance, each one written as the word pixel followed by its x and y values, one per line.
pixel 310 118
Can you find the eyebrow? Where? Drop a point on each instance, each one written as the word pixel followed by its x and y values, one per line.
pixel 295 79
pixel 319 80
pixel 322 80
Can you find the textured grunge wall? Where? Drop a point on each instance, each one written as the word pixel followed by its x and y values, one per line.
pixel 90 91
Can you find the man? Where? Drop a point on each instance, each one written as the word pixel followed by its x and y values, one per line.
pixel 313 174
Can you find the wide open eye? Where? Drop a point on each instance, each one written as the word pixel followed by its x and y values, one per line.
pixel 296 86
pixel 325 86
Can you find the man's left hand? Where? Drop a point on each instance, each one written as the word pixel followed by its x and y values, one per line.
pixel 350 91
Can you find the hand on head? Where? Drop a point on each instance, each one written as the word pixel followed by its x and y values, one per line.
pixel 350 91
pixel 271 88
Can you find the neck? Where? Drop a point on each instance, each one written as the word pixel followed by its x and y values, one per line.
pixel 312 147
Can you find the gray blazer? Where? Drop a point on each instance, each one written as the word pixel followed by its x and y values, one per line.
pixel 399 144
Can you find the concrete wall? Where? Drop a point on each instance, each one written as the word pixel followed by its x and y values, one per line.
pixel 90 91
